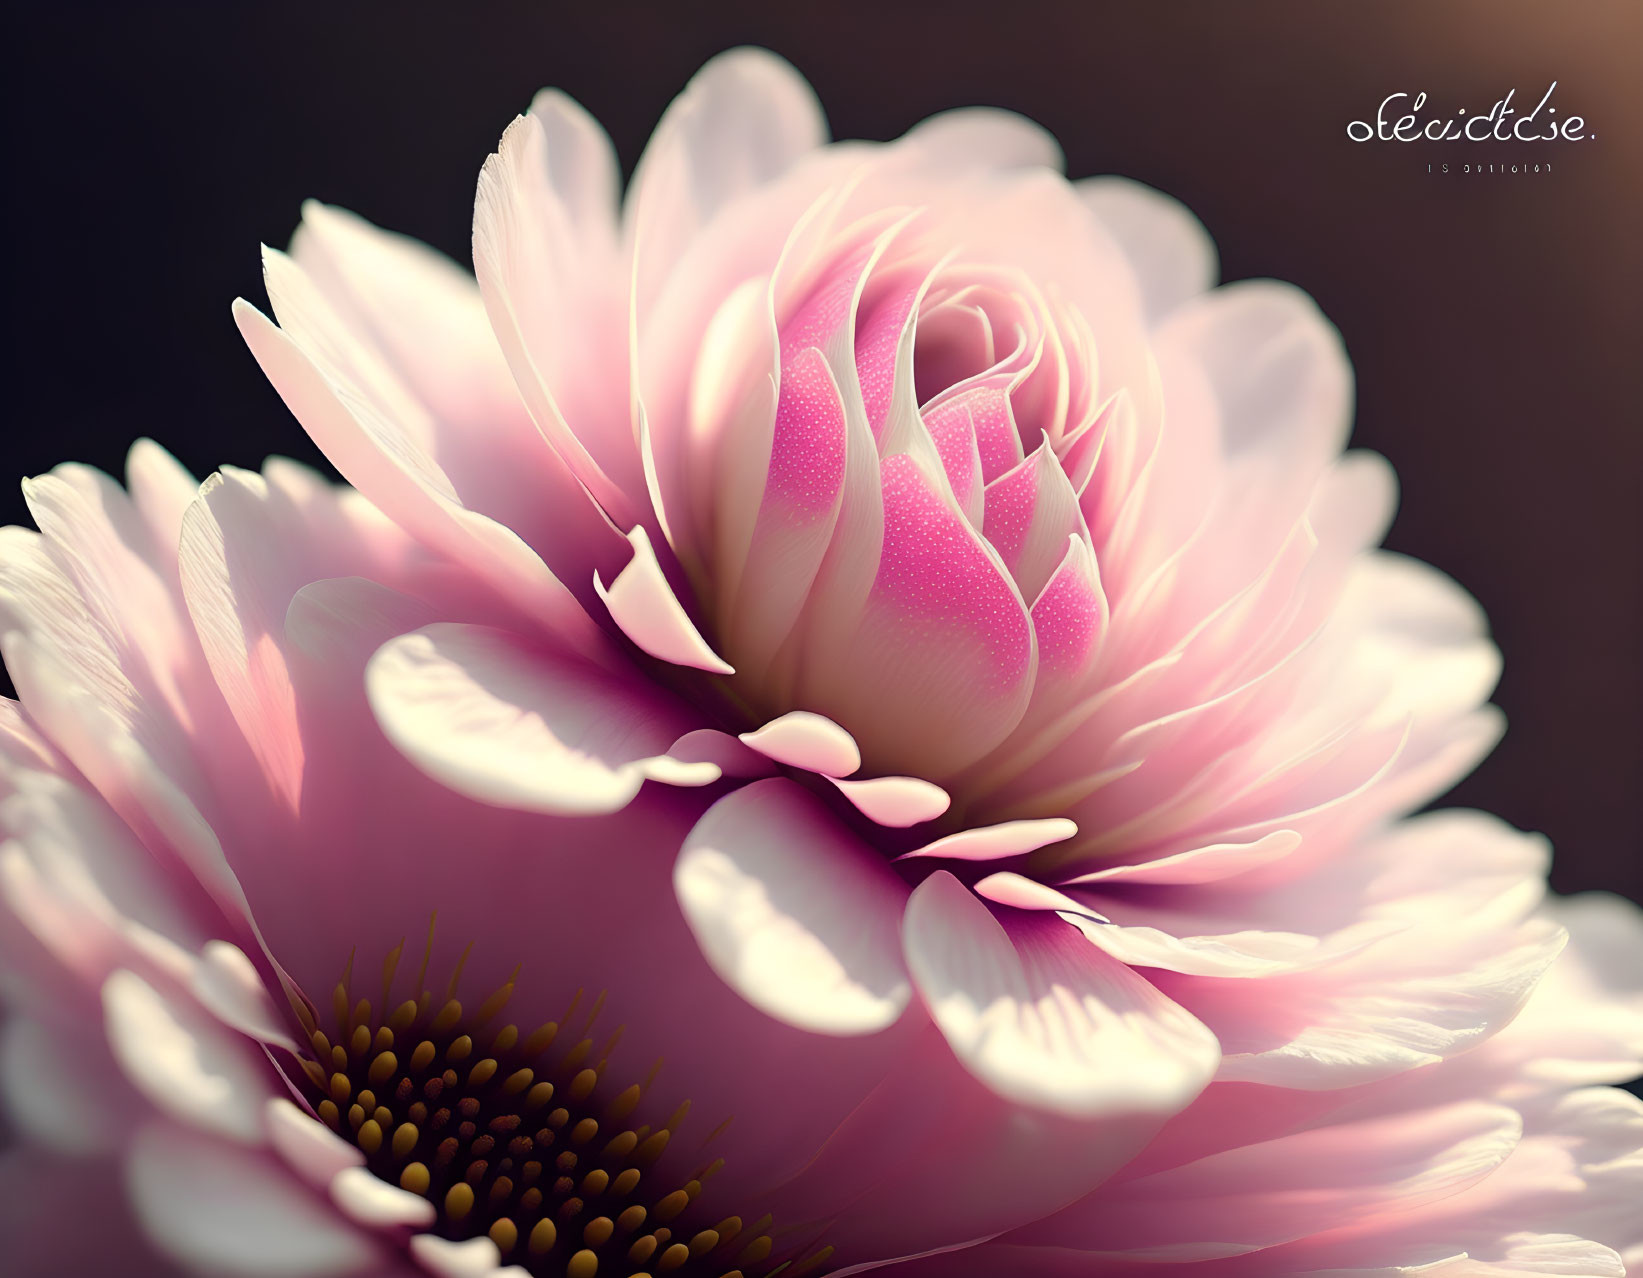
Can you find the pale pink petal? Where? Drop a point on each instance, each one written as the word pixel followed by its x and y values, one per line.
pixel 161 489
pixel 994 842
pixel 1045 1018
pixel 314 1151
pixel 523 725
pixel 582 164
pixel 1281 384
pixel 472 1258
pixel 558 321
pixel 805 740
pixel 794 912
pixel 1268 1193
pixel 983 137
pixel 643 604
pixel 897 802
pixel 742 120
pixel 723 751
pixel 1208 864
pixel 228 985
pixel 1171 254
pixel 375 1204
pixel 58 1095
pixel 425 317
pixel 198 1074
pixel 378 456
pixel 226 1210
pixel 1367 1017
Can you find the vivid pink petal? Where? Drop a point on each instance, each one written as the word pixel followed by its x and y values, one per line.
pixel 1032 511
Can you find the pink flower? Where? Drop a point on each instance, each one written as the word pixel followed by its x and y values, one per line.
pixel 1028 716
pixel 229 909
pixel 1005 578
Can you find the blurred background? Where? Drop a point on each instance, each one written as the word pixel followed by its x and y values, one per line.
pixel 1495 321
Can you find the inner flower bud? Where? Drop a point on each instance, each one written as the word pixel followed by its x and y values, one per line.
pixel 517 1135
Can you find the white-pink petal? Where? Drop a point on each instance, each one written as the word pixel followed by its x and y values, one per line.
pixel 804 739
pixel 224 1209
pixel 314 1151
pixel 187 1067
pixel 523 725
pixel 994 842
pixel 1043 1017
pixel 1209 864
pixel 1169 250
pixel 897 802
pixel 643 604
pixel 794 912
pixel 371 1201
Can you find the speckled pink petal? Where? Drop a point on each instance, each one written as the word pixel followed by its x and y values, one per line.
pixel 1032 510
pixel 1070 616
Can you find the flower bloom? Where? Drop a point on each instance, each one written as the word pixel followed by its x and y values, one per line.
pixel 1005 580
pixel 281 1006
pixel 1027 717
pixel 289 1008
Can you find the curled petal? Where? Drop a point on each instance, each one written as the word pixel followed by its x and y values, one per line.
pixel 643 604
pixel 802 739
pixel 1043 1017
pixel 994 842
pixel 523 726
pixel 1171 254
pixel 793 912
pixel 224 1209
pixel 897 802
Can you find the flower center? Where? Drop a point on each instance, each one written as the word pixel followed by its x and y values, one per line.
pixel 517 1136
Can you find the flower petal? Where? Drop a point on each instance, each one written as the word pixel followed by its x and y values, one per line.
pixel 897 802
pixel 1260 1195
pixel 314 1151
pixel 742 120
pixel 1171 254
pixel 643 604
pixel 793 912
pixel 181 1063
pixel 524 726
pixel 1208 864
pixel 370 1201
pixel 805 740
pixel 222 1209
pixel 1043 1017
pixel 994 842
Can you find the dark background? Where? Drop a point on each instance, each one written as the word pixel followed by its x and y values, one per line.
pixel 1494 321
